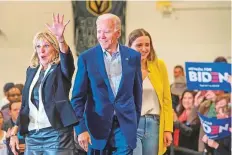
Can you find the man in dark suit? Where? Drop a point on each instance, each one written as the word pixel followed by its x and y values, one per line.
pixel 107 94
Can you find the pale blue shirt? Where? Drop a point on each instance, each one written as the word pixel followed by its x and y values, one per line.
pixel 113 67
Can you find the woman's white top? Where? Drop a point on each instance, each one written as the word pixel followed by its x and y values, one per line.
pixel 150 102
pixel 38 117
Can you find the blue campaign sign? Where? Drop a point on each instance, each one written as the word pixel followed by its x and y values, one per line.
pixel 208 76
pixel 215 128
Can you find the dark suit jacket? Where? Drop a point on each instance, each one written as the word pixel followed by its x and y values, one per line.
pixel 55 95
pixel 92 93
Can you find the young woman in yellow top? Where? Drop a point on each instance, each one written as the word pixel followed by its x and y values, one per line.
pixel 156 123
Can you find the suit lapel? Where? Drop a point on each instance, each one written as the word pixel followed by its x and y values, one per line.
pixel 49 72
pixel 31 75
pixel 102 69
pixel 101 64
pixel 125 58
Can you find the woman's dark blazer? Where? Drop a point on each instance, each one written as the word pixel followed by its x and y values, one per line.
pixel 55 94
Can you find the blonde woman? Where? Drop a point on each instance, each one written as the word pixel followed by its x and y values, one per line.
pixel 154 132
pixel 46 116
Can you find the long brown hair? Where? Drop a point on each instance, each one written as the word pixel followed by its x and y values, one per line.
pixel 180 108
pixel 138 33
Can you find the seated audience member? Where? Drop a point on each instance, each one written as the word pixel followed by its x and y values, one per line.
pixel 20 87
pixel 223 110
pixel 6 88
pixel 14 109
pixel 220 59
pixel 3 147
pixel 205 104
pixel 178 86
pixel 178 71
pixel 222 106
pixel 177 90
pixel 186 133
pixel 13 95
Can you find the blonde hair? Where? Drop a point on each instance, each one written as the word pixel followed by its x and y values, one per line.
pixel 226 109
pixel 223 97
pixel 52 40
pixel 110 16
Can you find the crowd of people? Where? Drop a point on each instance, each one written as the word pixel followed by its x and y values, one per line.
pixel 122 102
pixel 188 131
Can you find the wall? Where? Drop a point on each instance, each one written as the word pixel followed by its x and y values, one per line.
pixel 189 34
pixel 20 21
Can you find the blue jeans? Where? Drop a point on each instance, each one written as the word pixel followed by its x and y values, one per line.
pixel 147 136
pixel 116 144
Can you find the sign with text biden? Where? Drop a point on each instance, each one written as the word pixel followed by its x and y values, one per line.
pixel 208 76
pixel 215 128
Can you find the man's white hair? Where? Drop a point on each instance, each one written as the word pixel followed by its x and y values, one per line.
pixel 110 16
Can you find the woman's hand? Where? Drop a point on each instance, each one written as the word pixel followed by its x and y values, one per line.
pixel 205 139
pixel 167 138
pixel 229 79
pixel 213 143
pixel 210 95
pixel 58 27
pixel 198 99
